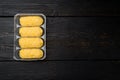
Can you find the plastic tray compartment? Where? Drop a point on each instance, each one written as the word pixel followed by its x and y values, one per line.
pixel 17 36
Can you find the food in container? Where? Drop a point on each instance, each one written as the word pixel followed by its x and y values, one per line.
pixel 30 31
pixel 30 42
pixel 29 37
pixel 31 53
pixel 31 21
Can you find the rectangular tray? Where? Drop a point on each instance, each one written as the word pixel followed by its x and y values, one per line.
pixel 17 36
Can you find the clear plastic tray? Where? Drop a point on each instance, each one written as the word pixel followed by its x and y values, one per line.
pixel 17 36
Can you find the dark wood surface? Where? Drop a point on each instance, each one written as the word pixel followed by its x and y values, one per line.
pixel 83 40
pixel 61 7
pixel 60 70
pixel 72 38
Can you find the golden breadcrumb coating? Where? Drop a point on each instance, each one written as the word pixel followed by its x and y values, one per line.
pixel 30 31
pixel 30 53
pixel 31 21
pixel 30 42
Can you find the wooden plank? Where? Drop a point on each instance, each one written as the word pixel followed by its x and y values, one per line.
pixel 72 38
pixel 28 2
pixel 60 7
pixel 60 70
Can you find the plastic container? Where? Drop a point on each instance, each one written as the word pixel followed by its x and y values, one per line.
pixel 17 26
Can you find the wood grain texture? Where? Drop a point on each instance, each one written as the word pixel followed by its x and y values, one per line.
pixel 60 7
pixel 80 46
pixel 71 38
pixel 59 70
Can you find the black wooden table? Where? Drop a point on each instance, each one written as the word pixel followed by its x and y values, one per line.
pixel 83 40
